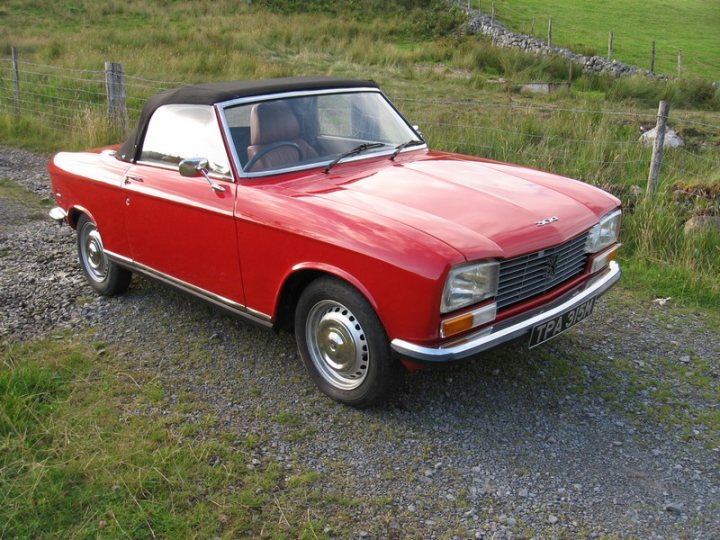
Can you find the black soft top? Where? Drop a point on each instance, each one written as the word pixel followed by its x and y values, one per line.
pixel 211 93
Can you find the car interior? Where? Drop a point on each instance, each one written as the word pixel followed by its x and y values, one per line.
pixel 275 140
pixel 279 134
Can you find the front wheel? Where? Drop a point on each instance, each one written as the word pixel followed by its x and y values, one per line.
pixel 343 344
pixel 106 277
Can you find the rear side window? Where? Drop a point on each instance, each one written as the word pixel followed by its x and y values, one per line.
pixel 178 132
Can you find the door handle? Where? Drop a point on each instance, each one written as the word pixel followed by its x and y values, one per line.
pixel 131 178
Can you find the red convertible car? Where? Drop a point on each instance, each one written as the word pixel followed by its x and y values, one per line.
pixel 311 204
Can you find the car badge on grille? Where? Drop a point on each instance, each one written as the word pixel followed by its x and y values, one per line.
pixel 552 265
pixel 547 221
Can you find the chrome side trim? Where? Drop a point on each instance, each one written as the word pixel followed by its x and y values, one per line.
pixel 511 328
pixel 216 299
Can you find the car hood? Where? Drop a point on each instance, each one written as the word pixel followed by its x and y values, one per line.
pixel 480 208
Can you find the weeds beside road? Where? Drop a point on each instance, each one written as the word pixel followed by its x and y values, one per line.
pixel 154 415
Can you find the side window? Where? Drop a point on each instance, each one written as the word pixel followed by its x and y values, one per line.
pixel 178 132
pixel 238 120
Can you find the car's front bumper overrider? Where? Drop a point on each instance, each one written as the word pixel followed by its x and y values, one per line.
pixel 511 328
pixel 58 214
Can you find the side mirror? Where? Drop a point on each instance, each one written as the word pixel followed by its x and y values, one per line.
pixel 417 130
pixel 194 167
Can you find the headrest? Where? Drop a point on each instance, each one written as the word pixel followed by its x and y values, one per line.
pixel 272 122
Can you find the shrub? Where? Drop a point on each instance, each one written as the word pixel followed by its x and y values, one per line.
pixel 697 93
pixel 421 18
pixel 680 93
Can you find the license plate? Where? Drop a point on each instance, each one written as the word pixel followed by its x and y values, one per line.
pixel 554 327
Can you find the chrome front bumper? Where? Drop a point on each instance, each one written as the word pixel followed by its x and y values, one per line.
pixel 58 214
pixel 512 328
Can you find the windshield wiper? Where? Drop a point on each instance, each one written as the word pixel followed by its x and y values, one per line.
pixel 357 150
pixel 400 147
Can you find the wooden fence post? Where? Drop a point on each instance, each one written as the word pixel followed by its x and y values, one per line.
pixel 16 80
pixel 679 62
pixel 657 154
pixel 610 46
pixel 549 31
pixel 652 57
pixel 117 99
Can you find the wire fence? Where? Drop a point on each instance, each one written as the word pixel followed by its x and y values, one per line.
pixel 594 144
pixel 64 96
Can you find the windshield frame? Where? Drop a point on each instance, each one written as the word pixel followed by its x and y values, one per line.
pixel 318 164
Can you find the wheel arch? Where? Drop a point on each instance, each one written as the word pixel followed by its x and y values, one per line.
pixel 74 213
pixel 299 277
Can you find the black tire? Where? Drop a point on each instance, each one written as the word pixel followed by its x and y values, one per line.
pixel 105 276
pixel 343 344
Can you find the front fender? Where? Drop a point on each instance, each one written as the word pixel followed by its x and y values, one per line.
pixel 333 271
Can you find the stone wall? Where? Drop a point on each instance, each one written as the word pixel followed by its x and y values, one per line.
pixel 481 23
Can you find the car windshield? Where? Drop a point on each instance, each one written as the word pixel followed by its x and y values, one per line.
pixel 299 132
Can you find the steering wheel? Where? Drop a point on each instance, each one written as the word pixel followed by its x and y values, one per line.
pixel 269 148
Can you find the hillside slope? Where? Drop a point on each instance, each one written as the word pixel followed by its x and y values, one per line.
pixel 692 26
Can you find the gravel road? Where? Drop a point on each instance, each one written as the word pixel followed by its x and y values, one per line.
pixel 554 442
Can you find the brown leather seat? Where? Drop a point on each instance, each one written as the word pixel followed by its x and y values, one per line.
pixel 271 123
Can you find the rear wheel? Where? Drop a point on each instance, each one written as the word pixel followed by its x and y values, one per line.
pixel 105 276
pixel 343 344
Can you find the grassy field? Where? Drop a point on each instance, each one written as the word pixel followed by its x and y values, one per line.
pixel 84 453
pixel 692 26
pixel 461 91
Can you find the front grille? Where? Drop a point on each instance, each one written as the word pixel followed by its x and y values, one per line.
pixel 529 275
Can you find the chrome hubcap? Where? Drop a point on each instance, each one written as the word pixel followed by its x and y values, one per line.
pixel 337 346
pixel 92 253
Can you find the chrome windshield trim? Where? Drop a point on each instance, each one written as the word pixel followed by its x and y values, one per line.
pixel 509 329
pixel 216 299
pixel 305 93
pixel 296 93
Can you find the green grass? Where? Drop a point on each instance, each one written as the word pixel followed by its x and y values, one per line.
pixel 662 260
pixel 658 279
pixel 28 202
pixel 588 132
pixel 82 455
pixel 582 25
pixel 10 191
